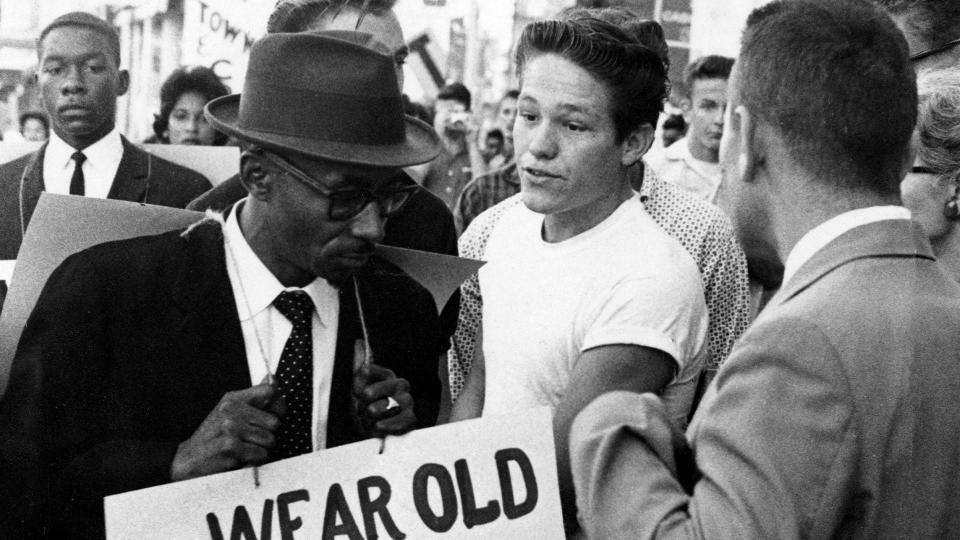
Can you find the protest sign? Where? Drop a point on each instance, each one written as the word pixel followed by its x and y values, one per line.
pixel 65 224
pixel 491 477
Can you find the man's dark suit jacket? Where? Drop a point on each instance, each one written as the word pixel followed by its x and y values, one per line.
pixel 137 342
pixel 140 177
pixel 424 223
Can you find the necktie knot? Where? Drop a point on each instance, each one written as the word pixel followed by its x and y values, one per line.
pixel 77 183
pixel 297 306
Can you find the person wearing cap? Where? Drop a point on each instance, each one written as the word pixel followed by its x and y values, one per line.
pixel 80 79
pixel 269 331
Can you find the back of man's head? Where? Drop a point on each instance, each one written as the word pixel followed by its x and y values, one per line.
pixel 455 92
pixel 301 15
pixel 84 20
pixel 833 79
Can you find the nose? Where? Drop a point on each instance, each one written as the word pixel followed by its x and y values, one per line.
pixel 73 83
pixel 369 223
pixel 543 141
pixel 193 124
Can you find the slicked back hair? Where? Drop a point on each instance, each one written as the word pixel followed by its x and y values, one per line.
pixel 634 74
pixel 934 21
pixel 89 21
pixel 300 15
pixel 834 79
pixel 706 67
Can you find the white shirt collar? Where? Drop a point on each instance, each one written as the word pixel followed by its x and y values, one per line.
pixel 818 237
pixel 258 286
pixel 107 150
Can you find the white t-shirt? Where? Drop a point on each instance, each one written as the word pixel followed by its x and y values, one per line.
pixel 622 282
pixel 676 165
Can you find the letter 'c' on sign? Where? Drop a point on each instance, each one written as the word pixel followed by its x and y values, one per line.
pixel 448 494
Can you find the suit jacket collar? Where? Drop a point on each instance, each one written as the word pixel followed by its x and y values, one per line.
pixel 32 180
pixel 133 174
pixel 888 238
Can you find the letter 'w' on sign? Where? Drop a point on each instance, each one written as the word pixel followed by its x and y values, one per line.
pixel 492 477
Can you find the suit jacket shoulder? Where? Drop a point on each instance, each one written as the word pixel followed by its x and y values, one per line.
pixel 146 178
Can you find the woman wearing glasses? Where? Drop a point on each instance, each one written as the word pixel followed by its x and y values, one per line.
pixel 930 188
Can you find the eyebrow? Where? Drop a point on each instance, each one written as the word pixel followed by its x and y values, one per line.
pixel 88 56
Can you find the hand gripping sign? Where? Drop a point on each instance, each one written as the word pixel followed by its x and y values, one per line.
pixel 492 477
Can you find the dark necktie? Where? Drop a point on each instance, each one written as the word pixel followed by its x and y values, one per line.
pixel 76 181
pixel 295 377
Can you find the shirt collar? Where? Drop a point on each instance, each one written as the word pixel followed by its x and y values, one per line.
pixel 818 237
pixel 109 148
pixel 258 286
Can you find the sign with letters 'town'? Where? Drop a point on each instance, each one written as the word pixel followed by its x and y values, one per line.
pixel 486 478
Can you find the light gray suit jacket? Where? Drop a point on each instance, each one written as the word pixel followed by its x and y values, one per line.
pixel 837 414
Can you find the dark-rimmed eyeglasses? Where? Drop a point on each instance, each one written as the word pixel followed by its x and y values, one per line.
pixel 938 49
pixel 347 203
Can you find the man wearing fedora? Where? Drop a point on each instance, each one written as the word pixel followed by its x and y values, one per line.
pixel 241 340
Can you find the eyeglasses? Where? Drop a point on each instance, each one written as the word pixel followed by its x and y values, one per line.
pixel 930 52
pixel 347 203
pixel 919 169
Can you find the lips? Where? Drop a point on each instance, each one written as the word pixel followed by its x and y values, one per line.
pixel 537 175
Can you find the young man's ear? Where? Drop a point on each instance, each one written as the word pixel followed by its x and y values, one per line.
pixel 254 176
pixel 636 144
pixel 123 84
pixel 750 155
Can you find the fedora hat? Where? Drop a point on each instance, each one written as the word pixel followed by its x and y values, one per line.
pixel 330 95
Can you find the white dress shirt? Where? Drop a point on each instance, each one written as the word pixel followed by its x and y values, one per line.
pixel 99 169
pixel 818 237
pixel 676 165
pixel 265 329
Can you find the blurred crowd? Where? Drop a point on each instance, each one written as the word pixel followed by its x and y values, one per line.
pixel 743 316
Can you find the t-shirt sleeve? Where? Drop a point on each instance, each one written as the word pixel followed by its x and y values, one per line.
pixel 664 313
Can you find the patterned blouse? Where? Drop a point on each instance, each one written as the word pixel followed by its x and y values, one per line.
pixel 702 229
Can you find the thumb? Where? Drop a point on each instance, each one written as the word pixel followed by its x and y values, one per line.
pixel 261 395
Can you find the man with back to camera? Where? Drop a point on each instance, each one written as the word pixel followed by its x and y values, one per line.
pixel 835 415
pixel 232 344
pixel 692 162
pixel 80 80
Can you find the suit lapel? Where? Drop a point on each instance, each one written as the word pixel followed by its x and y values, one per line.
pixel 888 238
pixel 130 183
pixel 33 184
pixel 209 325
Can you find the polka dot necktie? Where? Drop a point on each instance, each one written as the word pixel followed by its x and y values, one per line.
pixel 295 377
pixel 76 181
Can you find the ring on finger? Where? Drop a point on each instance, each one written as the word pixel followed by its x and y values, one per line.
pixel 392 403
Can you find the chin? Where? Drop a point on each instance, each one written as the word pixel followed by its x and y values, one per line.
pixel 538 202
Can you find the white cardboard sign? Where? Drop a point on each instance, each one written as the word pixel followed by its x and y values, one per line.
pixel 491 477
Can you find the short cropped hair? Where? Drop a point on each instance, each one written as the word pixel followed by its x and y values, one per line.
pixel 706 67
pixel 300 15
pixel 647 31
pixel 35 115
pixel 934 21
pixel 84 20
pixel 834 79
pixel 455 92
pixel 199 79
pixel 938 121
pixel 634 73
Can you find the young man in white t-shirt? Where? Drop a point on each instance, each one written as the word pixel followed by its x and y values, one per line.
pixel 583 292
